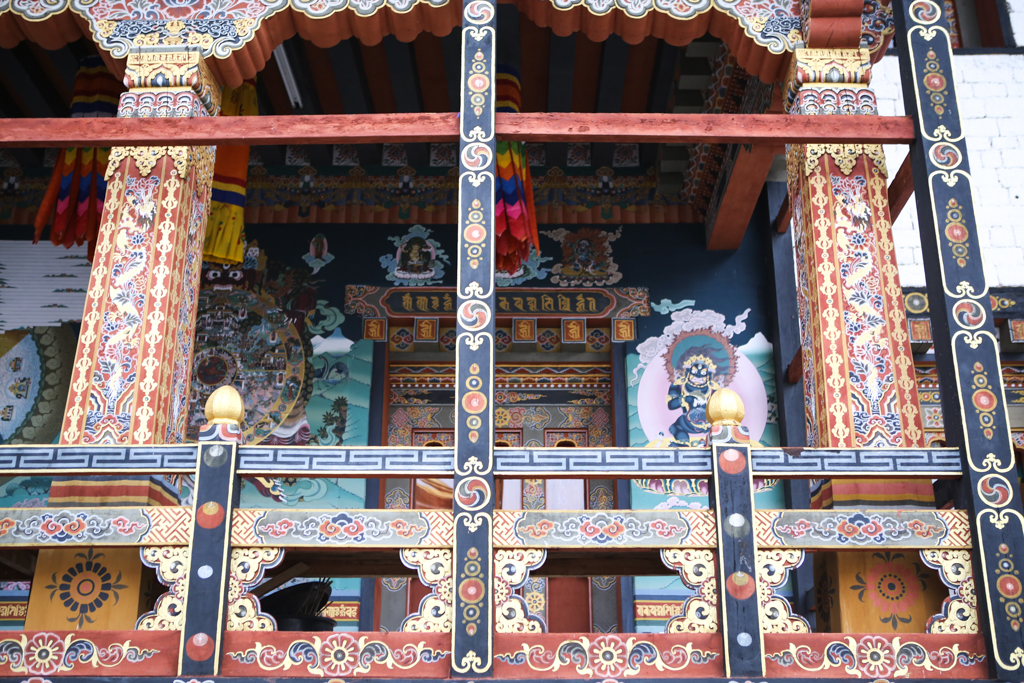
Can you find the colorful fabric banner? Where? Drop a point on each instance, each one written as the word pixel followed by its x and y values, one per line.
pixel 74 198
pixel 225 232
pixel 514 215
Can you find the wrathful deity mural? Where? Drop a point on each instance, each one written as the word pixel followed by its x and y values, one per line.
pixel 586 257
pixel 670 378
pixel 673 375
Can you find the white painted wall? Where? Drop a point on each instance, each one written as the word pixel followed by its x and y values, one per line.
pixel 991 94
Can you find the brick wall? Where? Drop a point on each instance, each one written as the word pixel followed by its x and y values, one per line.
pixel 991 93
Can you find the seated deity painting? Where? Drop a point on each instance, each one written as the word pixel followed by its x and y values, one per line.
pixel 678 372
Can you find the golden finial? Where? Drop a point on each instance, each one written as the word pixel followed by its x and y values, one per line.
pixel 225 407
pixel 725 407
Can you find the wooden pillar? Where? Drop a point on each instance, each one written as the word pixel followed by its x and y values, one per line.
pixel 473 495
pixel 133 365
pixel 858 372
pixel 966 348
pixel 134 361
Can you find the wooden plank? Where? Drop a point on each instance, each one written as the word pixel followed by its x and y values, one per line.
pixel 853 529
pixel 604 529
pixel 378 78
pixel 785 216
pixel 741 194
pixel 430 68
pixel 533 64
pixel 640 67
pixel 587 74
pixel 341 528
pixel 901 189
pixel 272 82
pixel 443 127
pixel 326 84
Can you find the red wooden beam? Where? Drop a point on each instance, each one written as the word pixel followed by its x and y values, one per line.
pixel 441 127
pixel 741 194
pixel 722 128
pixel 901 189
pixel 784 217
pixel 743 187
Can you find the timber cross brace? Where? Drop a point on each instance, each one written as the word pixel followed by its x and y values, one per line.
pixel 473 558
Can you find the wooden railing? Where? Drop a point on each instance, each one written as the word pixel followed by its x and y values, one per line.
pixel 203 626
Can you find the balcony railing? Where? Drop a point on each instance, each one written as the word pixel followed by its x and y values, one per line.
pixel 212 554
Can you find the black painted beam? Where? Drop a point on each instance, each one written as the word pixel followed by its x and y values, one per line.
pixel 966 348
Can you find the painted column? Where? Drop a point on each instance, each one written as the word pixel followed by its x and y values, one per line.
pixel 858 371
pixel 134 361
pixel 859 386
pixel 473 499
pixel 968 364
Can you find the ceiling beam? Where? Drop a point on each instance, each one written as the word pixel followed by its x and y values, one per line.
pixel 731 211
pixel 901 189
pixel 586 74
pixel 534 55
pixel 270 80
pixel 325 84
pixel 30 84
pixel 375 128
pixel 41 60
pixel 740 196
pixel 429 53
pixel 636 90
pixel 378 78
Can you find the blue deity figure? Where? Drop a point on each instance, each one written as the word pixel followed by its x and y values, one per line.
pixel 697 371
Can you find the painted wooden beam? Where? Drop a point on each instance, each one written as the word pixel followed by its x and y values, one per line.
pixel 901 189
pixel 720 128
pixel 326 84
pixel 586 74
pixel 443 127
pixel 741 194
pixel 430 68
pixel 277 94
pixel 533 64
pixel 784 217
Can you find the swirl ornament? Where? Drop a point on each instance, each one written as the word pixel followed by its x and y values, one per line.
pixel 478 12
pixel 476 155
pixel 970 314
pixel 995 490
pixel 945 155
pixel 925 11
pixel 474 315
pixel 473 493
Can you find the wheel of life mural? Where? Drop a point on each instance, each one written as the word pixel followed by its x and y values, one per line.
pixel 35 372
pixel 245 340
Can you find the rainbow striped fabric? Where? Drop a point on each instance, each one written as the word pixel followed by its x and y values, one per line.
pixel 74 198
pixel 514 217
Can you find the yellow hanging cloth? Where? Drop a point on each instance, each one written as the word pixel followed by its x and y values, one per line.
pixel 225 232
